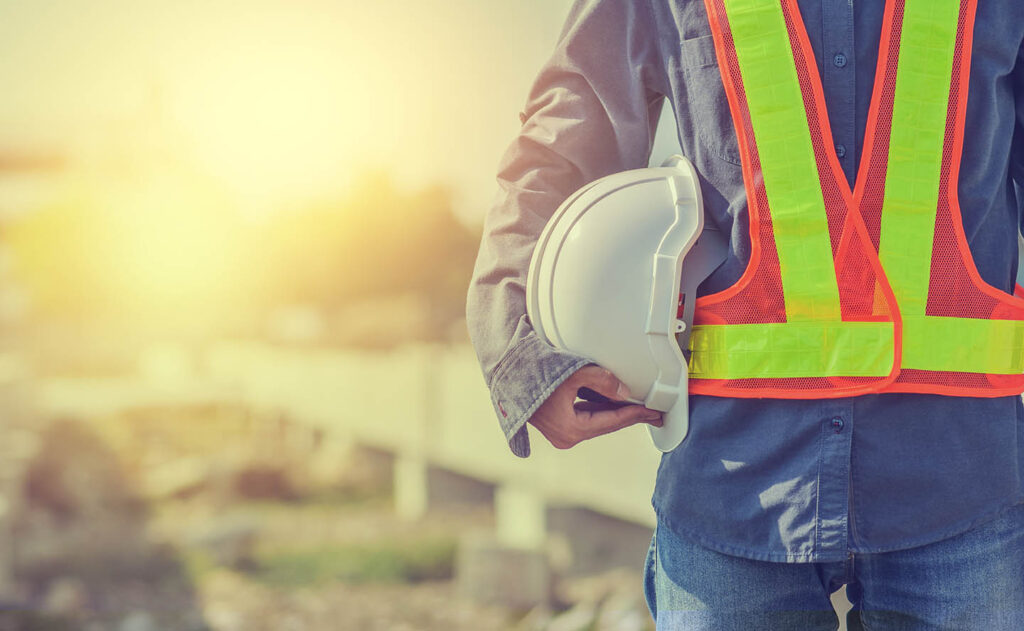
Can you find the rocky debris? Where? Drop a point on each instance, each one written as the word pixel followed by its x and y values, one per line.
pixel 615 599
pixel 517 579
pixel 537 619
pixel 623 611
pixel 232 602
pixel 235 602
pixel 265 482
pixel 74 476
pixel 612 603
pixel 78 513
pixel 92 556
pixel 600 587
pixel 26 620
pixel 231 545
pixel 66 597
pixel 579 618
pixel 83 555
pixel 138 621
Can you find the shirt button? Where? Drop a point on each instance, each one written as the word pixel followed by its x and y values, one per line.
pixel 841 151
pixel 839 60
pixel 838 424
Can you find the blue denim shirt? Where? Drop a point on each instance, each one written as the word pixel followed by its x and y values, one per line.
pixel 779 480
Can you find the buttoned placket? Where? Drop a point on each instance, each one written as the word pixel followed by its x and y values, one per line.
pixel 838 80
pixel 838 72
pixel 833 511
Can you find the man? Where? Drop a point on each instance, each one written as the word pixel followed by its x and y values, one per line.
pixel 912 494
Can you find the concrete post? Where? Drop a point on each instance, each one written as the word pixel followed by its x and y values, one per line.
pixel 520 517
pixel 411 479
pixel 510 567
pixel 410 486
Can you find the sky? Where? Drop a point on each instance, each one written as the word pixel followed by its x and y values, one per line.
pixel 279 100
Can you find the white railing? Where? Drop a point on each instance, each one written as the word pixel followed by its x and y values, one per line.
pixel 427 404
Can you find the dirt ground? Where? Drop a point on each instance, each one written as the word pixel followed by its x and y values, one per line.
pixel 250 549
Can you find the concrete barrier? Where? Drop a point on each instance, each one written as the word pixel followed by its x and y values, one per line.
pixel 429 404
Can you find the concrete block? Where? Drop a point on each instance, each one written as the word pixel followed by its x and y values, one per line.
pixel 449 489
pixel 489 572
pixel 597 542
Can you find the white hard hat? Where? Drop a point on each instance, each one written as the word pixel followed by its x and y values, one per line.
pixel 607 276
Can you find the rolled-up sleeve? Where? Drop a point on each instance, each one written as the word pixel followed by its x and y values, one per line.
pixel 591 112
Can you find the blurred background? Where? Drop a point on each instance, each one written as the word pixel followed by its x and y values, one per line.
pixel 236 388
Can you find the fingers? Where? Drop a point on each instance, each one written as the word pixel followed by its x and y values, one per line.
pixel 591 419
pixel 602 381
pixel 566 422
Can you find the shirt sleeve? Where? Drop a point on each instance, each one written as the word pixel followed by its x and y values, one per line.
pixel 591 112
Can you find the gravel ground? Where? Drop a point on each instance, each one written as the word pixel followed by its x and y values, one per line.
pixel 94 553
pixel 231 602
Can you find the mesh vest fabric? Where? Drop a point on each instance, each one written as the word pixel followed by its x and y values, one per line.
pixel 814 315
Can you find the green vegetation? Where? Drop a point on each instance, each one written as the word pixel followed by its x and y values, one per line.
pixel 382 561
pixel 196 564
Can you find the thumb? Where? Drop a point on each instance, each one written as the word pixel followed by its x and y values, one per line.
pixel 602 381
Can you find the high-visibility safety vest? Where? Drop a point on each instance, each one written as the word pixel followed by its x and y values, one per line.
pixel 853 291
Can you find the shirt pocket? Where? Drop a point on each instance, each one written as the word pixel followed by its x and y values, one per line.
pixel 703 98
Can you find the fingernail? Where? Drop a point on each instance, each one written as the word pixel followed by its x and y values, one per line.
pixel 622 392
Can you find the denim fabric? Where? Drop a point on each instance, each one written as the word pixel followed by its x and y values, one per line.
pixel 974 581
pixel 765 479
pixel 517 402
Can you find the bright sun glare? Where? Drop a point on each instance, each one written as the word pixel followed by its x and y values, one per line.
pixel 277 120
pixel 185 124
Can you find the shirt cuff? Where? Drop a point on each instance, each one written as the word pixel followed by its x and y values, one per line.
pixel 523 380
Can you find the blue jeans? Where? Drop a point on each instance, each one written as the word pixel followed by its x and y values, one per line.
pixel 973 581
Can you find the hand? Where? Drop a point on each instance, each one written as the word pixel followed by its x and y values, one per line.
pixel 566 422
